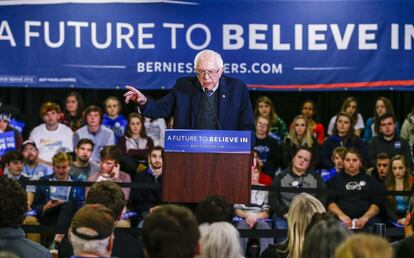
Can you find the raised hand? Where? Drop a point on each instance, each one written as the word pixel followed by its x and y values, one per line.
pixel 134 95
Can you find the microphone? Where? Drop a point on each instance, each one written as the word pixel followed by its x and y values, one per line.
pixel 211 108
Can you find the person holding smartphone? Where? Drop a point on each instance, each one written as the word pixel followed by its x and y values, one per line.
pixel 109 168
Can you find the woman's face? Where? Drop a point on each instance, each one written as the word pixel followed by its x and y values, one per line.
pixel 71 104
pixel 307 110
pixel 135 125
pixel 112 108
pixel 380 108
pixel 3 125
pixel 300 126
pixel 343 125
pixel 351 108
pixel 398 169
pixel 264 109
pixel 352 164
pixel 301 161
pixel 255 176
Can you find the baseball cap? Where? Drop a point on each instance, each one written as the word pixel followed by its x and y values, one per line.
pixel 28 142
pixel 93 222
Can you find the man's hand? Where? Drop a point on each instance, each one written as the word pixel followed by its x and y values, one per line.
pixel 115 171
pixel 251 220
pixel 134 95
pixel 52 203
pixel 361 222
pixel 346 220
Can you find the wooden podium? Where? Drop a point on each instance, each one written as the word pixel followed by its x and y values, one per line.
pixel 189 177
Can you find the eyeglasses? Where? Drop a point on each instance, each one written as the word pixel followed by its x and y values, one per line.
pixel 210 73
pixel 262 124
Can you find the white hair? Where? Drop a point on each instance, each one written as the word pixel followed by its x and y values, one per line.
pixel 220 239
pixel 80 245
pixel 216 56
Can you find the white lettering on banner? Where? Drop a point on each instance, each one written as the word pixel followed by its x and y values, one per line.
pixel 142 35
pixel 28 33
pixel 316 33
pixel 319 37
pixel 61 39
pixel 78 26
pixel 254 36
pixel 364 36
pixel 189 40
pixel 173 27
pixel 120 37
pixel 232 33
pixel 94 37
pixel 6 34
pixel 342 42
pixel 409 36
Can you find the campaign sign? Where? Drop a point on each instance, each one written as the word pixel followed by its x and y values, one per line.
pixel 207 141
pixel 7 142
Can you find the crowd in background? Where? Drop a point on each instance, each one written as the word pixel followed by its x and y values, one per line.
pixel 80 142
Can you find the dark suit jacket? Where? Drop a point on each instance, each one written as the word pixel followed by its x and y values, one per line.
pixel 183 101
pixel 406 248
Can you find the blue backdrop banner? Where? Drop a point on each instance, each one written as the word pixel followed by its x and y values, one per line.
pixel 271 45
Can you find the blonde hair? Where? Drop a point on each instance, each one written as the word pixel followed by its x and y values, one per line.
pixel 220 239
pixel 364 246
pixel 307 137
pixel 300 213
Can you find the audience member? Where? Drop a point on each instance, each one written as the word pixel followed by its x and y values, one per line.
pixel 134 145
pixel 111 196
pixel 398 180
pixel 171 231
pixel 82 167
pixel 91 232
pixel 100 135
pixel 317 129
pixel 220 239
pixel 298 175
pixel 342 135
pixel 254 214
pixel 299 135
pixel 324 234
pixel 269 150
pixel 110 170
pixel 258 164
pixel 338 161
pixel 33 167
pixel 113 119
pixel 56 205
pixel 13 206
pixel 364 246
pixel 361 207
pixel 14 134
pixel 388 142
pixel 72 111
pixel 143 200
pixel 350 107
pixel 407 129
pixel 14 167
pixel 382 167
pixel 51 137
pixel 301 210
pixel 404 247
pixel 382 106
pixel 265 108
pixel 155 128
pixel 214 208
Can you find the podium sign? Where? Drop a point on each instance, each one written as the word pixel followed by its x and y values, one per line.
pixel 204 162
pixel 207 141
